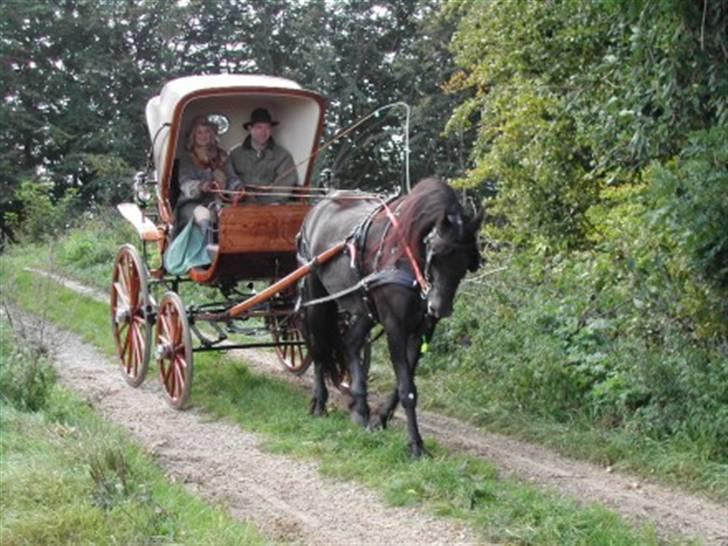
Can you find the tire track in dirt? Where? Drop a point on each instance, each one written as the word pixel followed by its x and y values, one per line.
pixel 671 511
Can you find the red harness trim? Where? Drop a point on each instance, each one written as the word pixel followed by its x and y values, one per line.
pixel 424 285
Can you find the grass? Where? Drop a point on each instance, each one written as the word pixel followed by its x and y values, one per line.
pixel 67 477
pixel 449 484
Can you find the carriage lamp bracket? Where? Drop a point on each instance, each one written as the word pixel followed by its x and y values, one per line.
pixel 141 187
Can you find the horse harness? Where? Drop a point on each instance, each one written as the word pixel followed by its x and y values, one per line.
pixel 409 277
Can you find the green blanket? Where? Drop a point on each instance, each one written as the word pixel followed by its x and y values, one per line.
pixel 188 250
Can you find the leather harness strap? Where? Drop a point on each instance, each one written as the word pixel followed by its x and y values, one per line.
pixel 408 277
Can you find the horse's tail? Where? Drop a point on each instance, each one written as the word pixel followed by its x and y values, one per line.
pixel 321 331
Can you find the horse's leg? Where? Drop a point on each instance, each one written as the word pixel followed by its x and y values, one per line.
pixel 315 320
pixel 385 411
pixel 404 352
pixel 353 342
pixel 320 392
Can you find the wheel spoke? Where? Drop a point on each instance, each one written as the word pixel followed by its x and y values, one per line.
pixel 168 375
pixel 132 350
pixel 127 341
pixel 122 328
pixel 162 338
pixel 131 280
pixel 138 348
pixel 121 295
pixel 166 328
pixel 123 281
pixel 177 325
pixel 179 375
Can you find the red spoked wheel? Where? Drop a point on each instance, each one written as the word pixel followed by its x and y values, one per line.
pixel 290 346
pixel 173 350
pixel 130 309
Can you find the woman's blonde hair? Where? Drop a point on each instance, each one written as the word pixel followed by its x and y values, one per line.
pixel 197 122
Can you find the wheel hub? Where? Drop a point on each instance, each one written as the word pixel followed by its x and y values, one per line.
pixel 122 315
pixel 163 351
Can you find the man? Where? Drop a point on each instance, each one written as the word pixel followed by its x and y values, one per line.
pixel 259 161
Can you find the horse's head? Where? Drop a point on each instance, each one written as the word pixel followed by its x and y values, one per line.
pixel 451 250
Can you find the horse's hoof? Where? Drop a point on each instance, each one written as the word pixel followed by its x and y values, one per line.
pixel 359 419
pixel 317 410
pixel 375 422
pixel 419 451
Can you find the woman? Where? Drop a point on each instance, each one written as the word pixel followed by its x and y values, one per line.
pixel 202 170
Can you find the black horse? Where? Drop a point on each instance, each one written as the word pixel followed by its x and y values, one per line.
pixel 401 268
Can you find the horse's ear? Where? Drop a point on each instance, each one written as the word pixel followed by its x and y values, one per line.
pixel 451 223
pixel 474 223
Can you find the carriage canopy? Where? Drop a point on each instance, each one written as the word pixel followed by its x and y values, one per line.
pixel 231 98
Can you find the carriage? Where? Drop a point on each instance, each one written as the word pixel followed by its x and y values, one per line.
pixel 322 269
pixel 255 241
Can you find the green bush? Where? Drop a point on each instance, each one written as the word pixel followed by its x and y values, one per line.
pixel 568 339
pixel 43 216
pixel 691 203
pixel 26 377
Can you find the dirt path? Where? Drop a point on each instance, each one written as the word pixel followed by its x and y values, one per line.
pixel 286 499
pixel 671 511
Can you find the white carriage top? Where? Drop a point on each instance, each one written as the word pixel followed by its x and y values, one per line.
pixel 230 98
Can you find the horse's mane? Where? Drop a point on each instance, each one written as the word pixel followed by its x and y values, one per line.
pixel 417 212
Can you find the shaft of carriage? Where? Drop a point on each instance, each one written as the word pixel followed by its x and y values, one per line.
pixel 286 282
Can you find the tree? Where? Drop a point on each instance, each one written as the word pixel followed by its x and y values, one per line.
pixel 572 97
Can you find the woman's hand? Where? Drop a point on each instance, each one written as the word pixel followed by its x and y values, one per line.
pixel 219 177
pixel 210 185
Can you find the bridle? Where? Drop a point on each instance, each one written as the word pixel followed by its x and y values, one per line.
pixel 430 252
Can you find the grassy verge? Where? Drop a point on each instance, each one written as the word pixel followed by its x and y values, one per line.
pixel 66 477
pixel 568 356
pixel 449 484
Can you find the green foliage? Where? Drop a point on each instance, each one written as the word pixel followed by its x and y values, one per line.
pixel 88 251
pixel 26 377
pixel 582 341
pixel 602 127
pixel 574 96
pixel 691 204
pixel 43 216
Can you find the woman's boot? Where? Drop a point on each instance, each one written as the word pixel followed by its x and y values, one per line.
pixel 208 234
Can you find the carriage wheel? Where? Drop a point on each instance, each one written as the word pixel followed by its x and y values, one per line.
pixel 173 346
pixel 130 305
pixel 287 329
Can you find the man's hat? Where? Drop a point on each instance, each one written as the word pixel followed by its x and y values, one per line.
pixel 259 115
